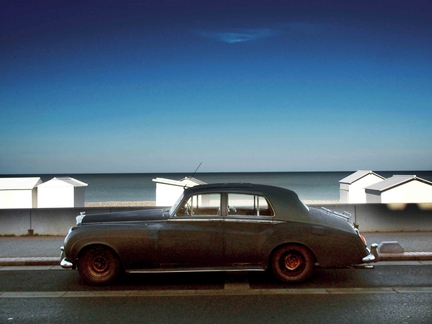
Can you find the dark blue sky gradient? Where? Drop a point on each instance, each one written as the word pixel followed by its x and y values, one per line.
pixel 160 86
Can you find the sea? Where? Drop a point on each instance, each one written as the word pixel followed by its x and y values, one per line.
pixel 104 187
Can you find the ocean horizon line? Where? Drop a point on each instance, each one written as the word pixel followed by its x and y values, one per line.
pixel 203 172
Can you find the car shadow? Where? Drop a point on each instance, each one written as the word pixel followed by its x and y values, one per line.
pixel 164 281
pixel 322 278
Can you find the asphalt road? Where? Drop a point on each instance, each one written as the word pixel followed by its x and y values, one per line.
pixel 335 309
pixel 388 274
pixel 390 293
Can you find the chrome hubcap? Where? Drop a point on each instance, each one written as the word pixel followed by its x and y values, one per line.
pixel 99 264
pixel 292 262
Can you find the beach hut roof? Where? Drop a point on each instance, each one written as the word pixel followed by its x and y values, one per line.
pixel 63 182
pixel 194 180
pixel 188 182
pixel 359 175
pixel 19 183
pixel 395 181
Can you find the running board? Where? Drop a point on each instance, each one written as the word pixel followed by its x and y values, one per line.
pixel 354 266
pixel 192 270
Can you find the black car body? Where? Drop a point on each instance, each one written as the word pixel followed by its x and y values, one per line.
pixel 216 227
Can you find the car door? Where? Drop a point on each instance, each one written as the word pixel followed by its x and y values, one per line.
pixel 248 225
pixel 193 237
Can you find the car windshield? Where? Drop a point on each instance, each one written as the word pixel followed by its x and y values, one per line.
pixel 174 207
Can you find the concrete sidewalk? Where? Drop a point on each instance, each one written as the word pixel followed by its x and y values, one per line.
pixel 30 250
pixel 45 250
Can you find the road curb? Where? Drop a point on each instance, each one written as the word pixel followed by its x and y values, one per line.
pixel 405 256
pixel 29 261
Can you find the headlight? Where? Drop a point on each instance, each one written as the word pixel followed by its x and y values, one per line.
pixel 361 236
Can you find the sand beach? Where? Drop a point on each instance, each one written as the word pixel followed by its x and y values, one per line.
pixel 120 204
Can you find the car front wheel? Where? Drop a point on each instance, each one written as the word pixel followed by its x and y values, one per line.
pixel 292 263
pixel 98 265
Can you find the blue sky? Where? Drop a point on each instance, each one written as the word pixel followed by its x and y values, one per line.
pixel 160 86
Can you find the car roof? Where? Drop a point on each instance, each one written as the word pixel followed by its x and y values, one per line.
pixel 239 186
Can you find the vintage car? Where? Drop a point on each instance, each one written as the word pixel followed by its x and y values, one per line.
pixel 216 227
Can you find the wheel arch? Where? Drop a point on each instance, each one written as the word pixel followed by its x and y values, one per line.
pixel 85 245
pixel 98 264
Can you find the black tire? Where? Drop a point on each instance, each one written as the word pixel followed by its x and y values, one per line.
pixel 292 263
pixel 98 265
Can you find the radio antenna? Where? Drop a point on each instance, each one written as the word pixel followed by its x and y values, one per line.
pixel 193 174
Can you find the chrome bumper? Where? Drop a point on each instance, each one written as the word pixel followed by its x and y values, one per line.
pixel 368 258
pixel 65 263
pixel 371 257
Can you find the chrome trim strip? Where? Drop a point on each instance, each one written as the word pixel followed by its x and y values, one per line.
pixel 195 219
pixel 228 220
pixel 345 215
pixel 181 270
pixel 260 221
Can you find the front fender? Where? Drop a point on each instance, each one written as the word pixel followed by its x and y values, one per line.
pixel 136 246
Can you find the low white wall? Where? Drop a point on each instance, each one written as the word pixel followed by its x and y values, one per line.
pixel 388 217
pixel 47 221
pixel 369 217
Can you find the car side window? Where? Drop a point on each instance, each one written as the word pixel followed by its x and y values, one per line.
pixel 200 205
pixel 249 205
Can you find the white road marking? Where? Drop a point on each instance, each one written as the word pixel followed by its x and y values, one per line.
pixel 213 292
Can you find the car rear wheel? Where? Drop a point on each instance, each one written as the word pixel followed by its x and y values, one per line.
pixel 292 263
pixel 98 265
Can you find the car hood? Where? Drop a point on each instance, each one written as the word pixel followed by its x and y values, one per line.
pixel 128 216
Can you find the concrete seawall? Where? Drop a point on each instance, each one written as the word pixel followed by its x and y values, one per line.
pixel 369 217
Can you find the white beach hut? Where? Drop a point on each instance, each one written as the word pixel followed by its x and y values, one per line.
pixel 168 191
pixel 61 192
pixel 352 188
pixel 400 189
pixel 19 192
